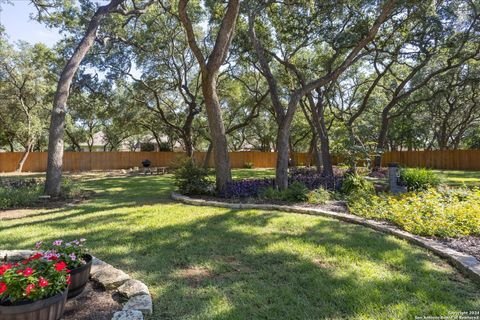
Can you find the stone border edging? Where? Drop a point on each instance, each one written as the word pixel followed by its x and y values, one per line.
pixel 466 263
pixel 139 301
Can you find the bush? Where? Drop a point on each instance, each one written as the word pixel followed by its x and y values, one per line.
pixel 296 192
pixel 417 179
pixel 441 213
pixel 318 196
pixel 355 183
pixel 70 189
pixel 192 179
pixel 248 165
pixel 19 197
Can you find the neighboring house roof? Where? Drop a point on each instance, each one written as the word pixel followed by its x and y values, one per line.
pixel 98 140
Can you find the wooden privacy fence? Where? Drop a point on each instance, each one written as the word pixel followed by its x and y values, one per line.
pixel 87 161
pixel 437 159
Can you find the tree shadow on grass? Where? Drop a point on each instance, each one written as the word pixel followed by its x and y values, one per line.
pixel 232 264
pixel 238 265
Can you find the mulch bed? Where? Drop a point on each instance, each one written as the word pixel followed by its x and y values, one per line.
pixel 335 206
pixel 469 244
pixel 93 303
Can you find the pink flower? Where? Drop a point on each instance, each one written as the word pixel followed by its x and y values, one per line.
pixel 3 287
pixel 38 245
pixel 4 268
pixel 42 282
pixel 27 272
pixel 57 242
pixel 29 288
pixel 59 266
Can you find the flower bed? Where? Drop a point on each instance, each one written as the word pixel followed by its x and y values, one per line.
pixel 309 177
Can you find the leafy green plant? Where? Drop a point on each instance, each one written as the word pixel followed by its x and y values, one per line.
pixel 19 197
pixel 431 212
pixel 248 165
pixel 296 192
pixel 356 183
pixel 318 196
pixel 192 179
pixel 416 179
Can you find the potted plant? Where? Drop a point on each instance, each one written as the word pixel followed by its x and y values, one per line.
pixel 75 256
pixel 33 289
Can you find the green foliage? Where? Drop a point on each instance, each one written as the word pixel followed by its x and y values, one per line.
pixel 19 197
pixel 417 179
pixel 318 196
pixel 296 192
pixel 70 189
pixel 442 213
pixel 192 179
pixel 248 165
pixel 355 183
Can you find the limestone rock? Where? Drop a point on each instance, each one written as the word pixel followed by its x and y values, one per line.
pixel 108 276
pixel 128 315
pixel 142 303
pixel 133 288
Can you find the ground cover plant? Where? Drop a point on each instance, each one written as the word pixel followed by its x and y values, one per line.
pixel 443 213
pixel 18 193
pixel 215 263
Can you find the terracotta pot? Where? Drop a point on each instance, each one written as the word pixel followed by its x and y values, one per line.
pixel 79 277
pixel 45 309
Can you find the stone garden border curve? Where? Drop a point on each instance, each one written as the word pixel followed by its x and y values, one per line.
pixel 465 263
pixel 139 301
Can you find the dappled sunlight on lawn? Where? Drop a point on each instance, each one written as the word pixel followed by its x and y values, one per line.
pixel 205 263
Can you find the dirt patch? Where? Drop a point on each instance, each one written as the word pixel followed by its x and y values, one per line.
pixel 322 264
pixel 194 275
pixel 469 245
pixel 93 303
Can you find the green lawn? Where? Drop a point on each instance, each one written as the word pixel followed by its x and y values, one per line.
pixel 214 263
pixel 459 178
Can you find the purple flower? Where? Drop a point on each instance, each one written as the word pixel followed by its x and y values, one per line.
pixel 72 256
pixel 38 245
pixel 57 242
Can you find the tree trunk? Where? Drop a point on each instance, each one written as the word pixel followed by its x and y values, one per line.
pixel 24 157
pixel 209 70
pixel 217 130
pixel 317 155
pixel 206 160
pixel 382 137
pixel 281 173
pixel 187 140
pixel 57 124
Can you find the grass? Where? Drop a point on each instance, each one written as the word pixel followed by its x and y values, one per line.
pixel 459 178
pixel 214 263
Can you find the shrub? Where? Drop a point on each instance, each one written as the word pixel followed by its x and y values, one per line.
pixel 248 165
pixel 416 179
pixel 70 189
pixel 441 213
pixel 296 192
pixel 355 183
pixel 192 179
pixel 318 196
pixel 19 197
